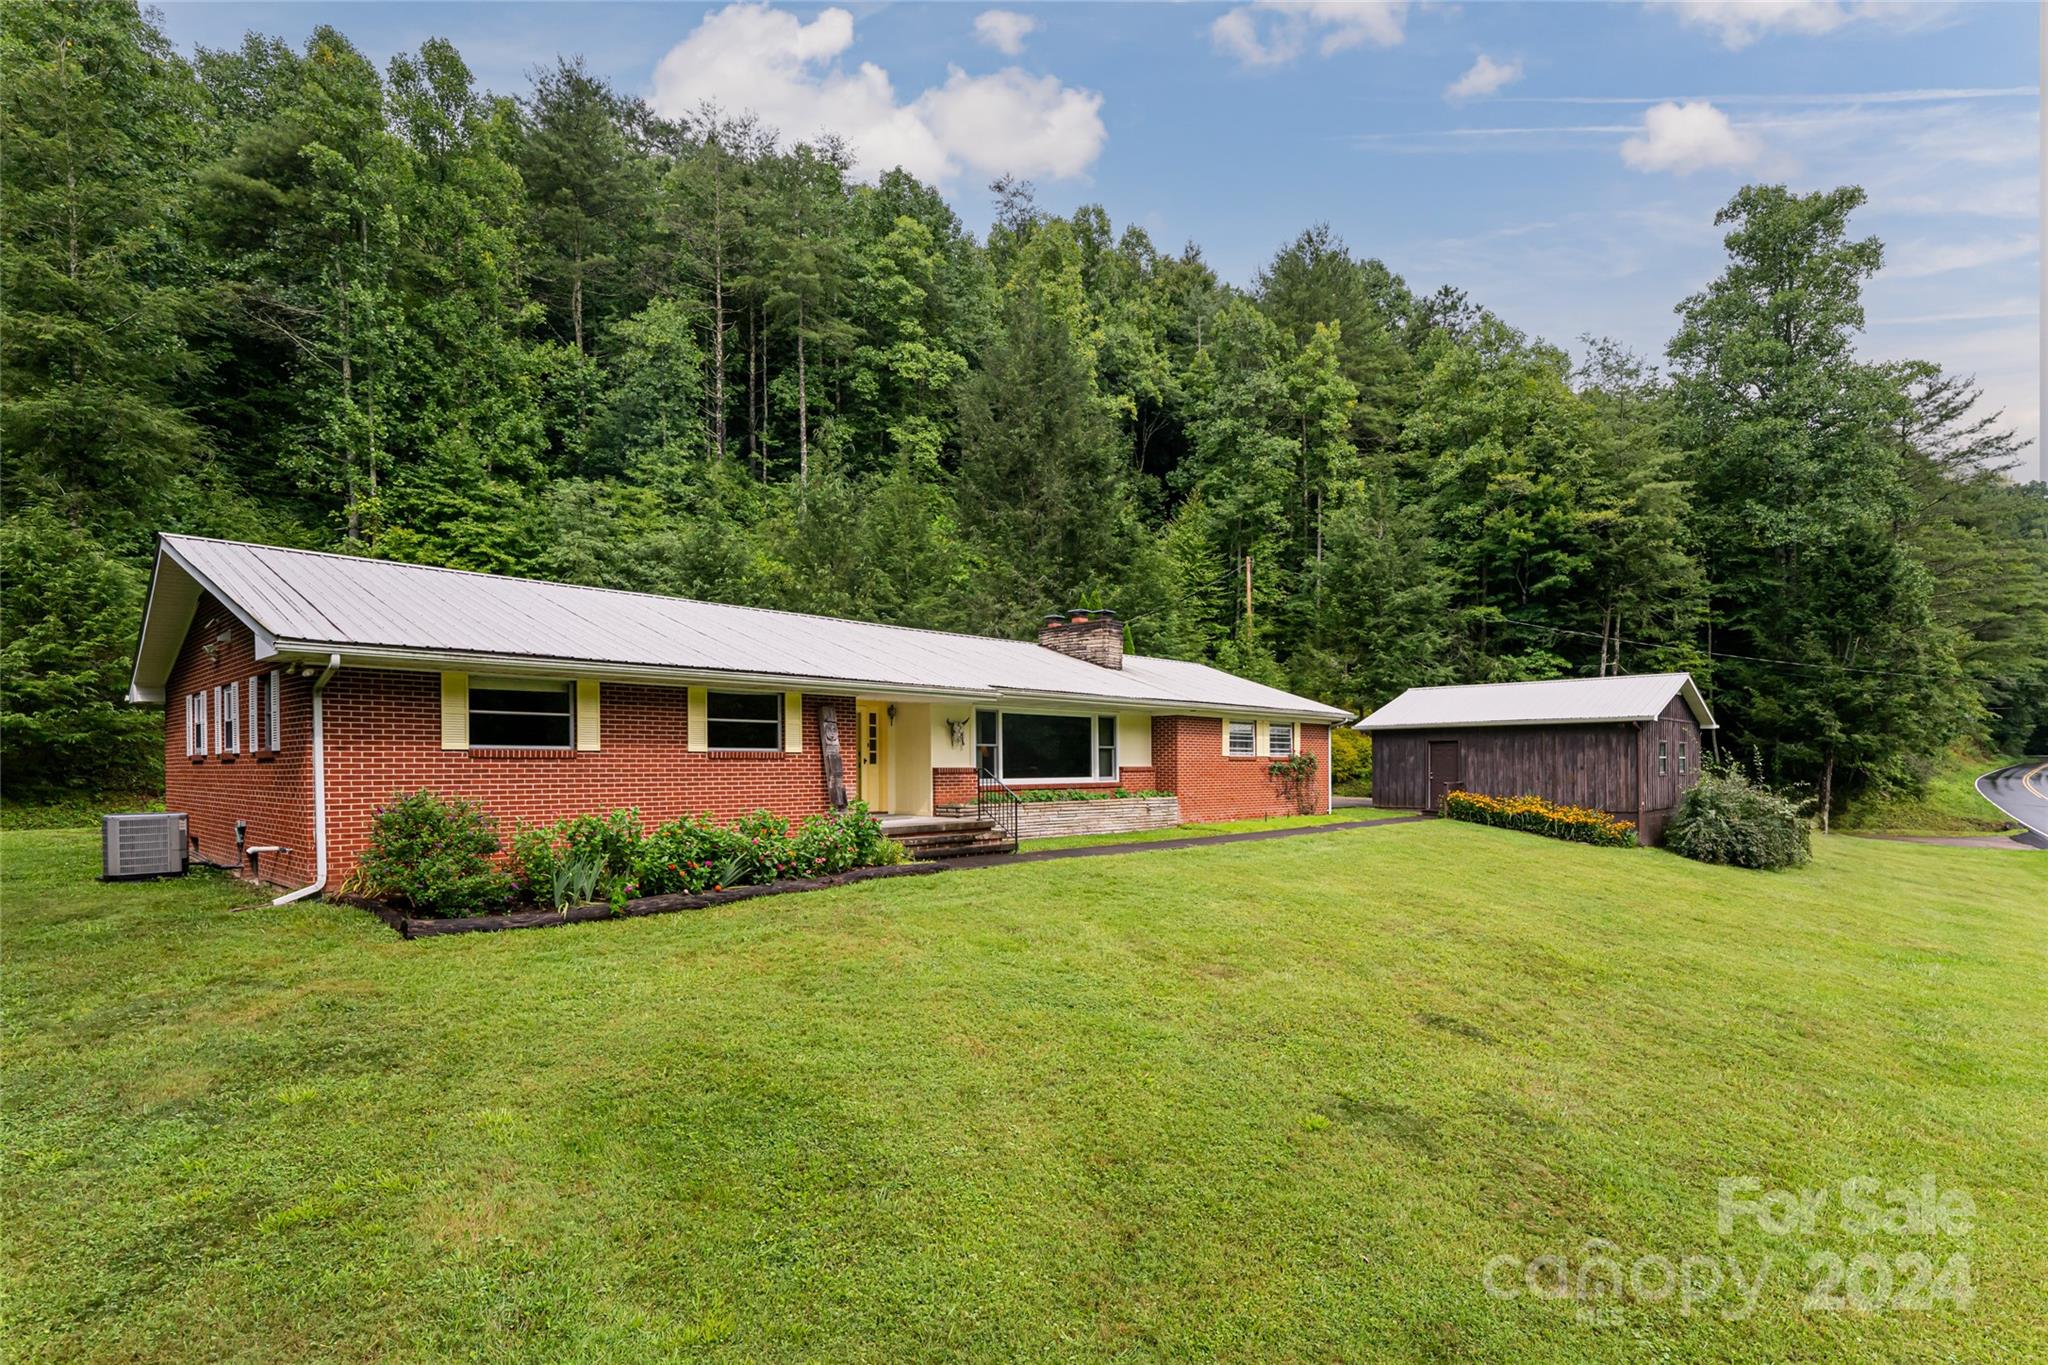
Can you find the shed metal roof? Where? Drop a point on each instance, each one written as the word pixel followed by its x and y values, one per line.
pixel 1560 701
pixel 303 604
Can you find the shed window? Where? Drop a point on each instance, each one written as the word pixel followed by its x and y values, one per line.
pixel 1681 758
pixel 1243 738
pixel 230 708
pixel 1663 757
pixel 1105 746
pixel 743 720
pixel 1280 739
pixel 515 713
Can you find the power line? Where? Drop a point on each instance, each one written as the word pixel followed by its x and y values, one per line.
pixel 1725 654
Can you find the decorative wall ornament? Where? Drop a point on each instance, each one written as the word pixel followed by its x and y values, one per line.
pixel 958 730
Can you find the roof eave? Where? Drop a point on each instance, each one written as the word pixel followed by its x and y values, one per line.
pixel 426 660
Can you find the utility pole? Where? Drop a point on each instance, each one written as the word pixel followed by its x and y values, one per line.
pixel 1249 623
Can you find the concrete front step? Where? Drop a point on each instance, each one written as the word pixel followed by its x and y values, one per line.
pixel 926 842
pixel 973 848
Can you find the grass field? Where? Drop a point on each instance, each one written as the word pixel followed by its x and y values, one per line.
pixel 1281 1100
pixel 1950 805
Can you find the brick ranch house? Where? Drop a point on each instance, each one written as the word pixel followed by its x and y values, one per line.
pixel 302 690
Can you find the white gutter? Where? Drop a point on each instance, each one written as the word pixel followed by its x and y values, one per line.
pixel 319 882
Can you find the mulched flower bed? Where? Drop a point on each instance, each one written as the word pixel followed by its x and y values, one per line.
pixel 429 926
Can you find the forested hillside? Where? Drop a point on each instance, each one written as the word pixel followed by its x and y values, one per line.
pixel 280 295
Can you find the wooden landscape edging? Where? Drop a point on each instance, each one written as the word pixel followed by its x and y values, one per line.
pixel 418 926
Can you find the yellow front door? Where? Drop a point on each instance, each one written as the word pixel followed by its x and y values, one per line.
pixel 874 755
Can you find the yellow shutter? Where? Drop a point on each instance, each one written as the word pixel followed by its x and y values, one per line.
pixel 586 713
pixel 700 741
pixel 455 710
pixel 792 722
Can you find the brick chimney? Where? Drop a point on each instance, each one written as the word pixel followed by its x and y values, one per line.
pixel 1094 636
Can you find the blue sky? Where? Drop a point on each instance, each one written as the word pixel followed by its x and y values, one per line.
pixel 1560 162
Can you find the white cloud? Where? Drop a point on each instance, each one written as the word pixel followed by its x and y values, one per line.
pixel 1485 77
pixel 1741 22
pixel 769 62
pixel 1275 32
pixel 1004 30
pixel 1917 259
pixel 1015 122
pixel 1687 138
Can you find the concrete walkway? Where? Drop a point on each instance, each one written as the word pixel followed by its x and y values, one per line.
pixel 1155 845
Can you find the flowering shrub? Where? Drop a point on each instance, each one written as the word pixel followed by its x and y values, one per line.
pixel 434 855
pixel 1728 818
pixel 543 854
pixel 1534 815
pixel 694 854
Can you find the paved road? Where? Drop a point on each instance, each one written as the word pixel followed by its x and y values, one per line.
pixel 2021 791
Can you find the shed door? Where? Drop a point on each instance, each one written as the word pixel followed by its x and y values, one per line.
pixel 1444 772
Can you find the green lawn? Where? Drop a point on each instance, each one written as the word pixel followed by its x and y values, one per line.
pixel 1950 805
pixel 1261 1101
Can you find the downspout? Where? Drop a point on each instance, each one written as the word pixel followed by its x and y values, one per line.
pixel 319 882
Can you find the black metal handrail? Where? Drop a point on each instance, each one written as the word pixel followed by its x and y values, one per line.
pixel 997 804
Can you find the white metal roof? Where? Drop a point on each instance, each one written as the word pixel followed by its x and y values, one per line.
pixel 306 605
pixel 1560 701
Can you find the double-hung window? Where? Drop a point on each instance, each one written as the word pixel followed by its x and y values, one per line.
pixel 987 747
pixel 1242 739
pixel 195 725
pixel 1681 758
pixel 743 720
pixel 228 706
pixel 1280 739
pixel 520 713
pixel 1105 746
pixel 1663 757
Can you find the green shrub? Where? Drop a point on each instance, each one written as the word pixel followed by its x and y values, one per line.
pixel 1534 815
pixel 1727 818
pixel 610 843
pixel 434 855
pixel 695 854
pixel 1035 795
pixel 1350 761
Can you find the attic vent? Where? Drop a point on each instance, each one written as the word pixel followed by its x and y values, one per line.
pixel 1096 637
pixel 142 845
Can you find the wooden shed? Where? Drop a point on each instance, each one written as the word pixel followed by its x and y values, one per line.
pixel 1625 745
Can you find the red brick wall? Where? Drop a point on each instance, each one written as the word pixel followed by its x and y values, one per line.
pixel 273 792
pixel 1188 757
pixel 384 738
pixel 952 787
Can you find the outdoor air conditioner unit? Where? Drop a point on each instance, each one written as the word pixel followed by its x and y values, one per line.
pixel 142 845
